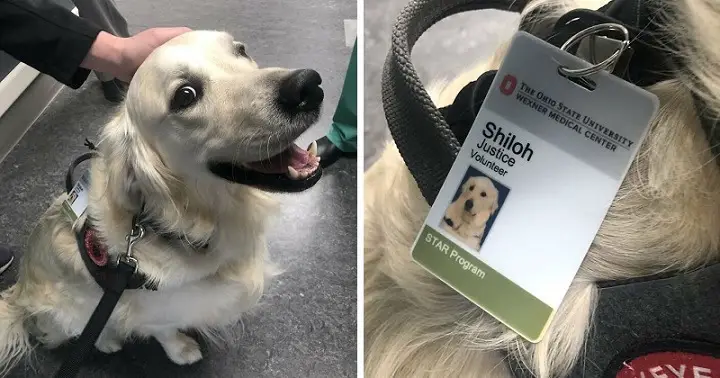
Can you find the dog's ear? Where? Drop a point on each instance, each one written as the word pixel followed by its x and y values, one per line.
pixel 493 189
pixel 123 186
pixel 133 169
pixel 240 50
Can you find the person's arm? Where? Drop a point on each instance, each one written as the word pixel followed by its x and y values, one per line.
pixel 54 41
pixel 47 37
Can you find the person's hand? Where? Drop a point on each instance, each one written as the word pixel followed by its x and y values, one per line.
pixel 121 57
pixel 137 48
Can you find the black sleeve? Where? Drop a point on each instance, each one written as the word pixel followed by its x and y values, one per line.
pixel 47 37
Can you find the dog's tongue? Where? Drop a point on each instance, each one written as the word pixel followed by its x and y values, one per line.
pixel 293 156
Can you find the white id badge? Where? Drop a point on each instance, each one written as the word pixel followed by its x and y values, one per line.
pixel 532 184
pixel 77 200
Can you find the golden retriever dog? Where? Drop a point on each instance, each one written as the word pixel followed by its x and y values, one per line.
pixel 664 217
pixel 197 103
pixel 466 217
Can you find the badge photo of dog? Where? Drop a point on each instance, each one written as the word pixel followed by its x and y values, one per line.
pixel 663 219
pixel 200 124
pixel 475 202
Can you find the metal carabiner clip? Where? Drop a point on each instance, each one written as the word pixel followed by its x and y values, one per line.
pixel 137 233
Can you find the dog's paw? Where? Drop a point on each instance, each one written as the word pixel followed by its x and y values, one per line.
pixel 180 348
pixel 108 345
pixel 51 341
pixel 109 341
pixel 47 332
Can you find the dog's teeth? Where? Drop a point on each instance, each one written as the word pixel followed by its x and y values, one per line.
pixel 312 148
pixel 292 173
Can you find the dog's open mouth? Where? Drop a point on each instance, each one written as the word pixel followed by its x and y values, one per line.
pixel 295 162
pixel 292 170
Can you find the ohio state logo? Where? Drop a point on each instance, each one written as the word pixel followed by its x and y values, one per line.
pixel 508 84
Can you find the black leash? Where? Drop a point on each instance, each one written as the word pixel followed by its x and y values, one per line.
pixel 116 282
pixel 86 341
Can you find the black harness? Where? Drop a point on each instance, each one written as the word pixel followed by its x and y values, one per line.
pixel 96 258
pixel 98 263
pixel 636 321
pixel 114 276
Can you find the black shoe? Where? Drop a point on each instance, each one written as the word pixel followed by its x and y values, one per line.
pixel 330 153
pixel 6 258
pixel 114 90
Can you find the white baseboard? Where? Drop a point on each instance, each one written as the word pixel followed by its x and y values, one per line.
pixel 350 32
pixel 14 84
pixel 28 107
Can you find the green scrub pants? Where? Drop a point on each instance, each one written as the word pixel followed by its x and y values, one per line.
pixel 343 132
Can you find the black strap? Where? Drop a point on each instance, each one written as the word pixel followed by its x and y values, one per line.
pixel 114 280
pixel 170 237
pixel 413 119
pixel 108 275
pixel 86 341
pixel 69 181
pixel 461 114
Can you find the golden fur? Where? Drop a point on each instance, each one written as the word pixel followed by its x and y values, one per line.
pixel 664 217
pixel 149 153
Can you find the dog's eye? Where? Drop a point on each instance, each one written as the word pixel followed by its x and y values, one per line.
pixel 183 98
pixel 240 50
pixel 472 187
pixel 483 194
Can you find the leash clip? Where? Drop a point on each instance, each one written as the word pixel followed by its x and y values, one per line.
pixel 137 233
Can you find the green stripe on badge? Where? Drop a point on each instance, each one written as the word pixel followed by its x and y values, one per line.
pixel 488 289
pixel 69 211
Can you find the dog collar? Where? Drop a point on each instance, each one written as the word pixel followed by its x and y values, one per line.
pixel 658 322
pixel 95 255
pixel 170 237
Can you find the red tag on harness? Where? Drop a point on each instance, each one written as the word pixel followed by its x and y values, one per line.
pixel 97 252
pixel 671 365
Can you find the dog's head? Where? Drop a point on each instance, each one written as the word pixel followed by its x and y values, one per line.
pixel 478 199
pixel 200 101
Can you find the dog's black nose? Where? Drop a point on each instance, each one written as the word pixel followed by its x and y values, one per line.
pixel 468 205
pixel 300 91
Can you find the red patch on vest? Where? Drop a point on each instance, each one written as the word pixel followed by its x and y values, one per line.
pixel 98 253
pixel 671 365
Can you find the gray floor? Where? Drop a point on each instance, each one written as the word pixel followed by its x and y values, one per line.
pixel 306 326
pixel 443 51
